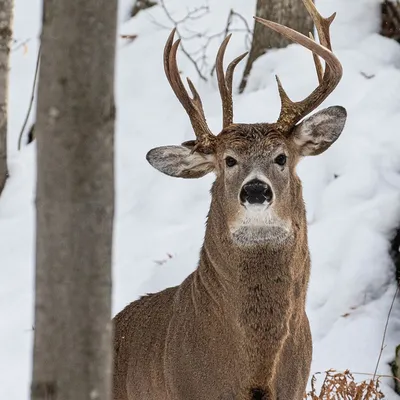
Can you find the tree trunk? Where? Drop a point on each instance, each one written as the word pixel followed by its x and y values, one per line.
pixel 291 13
pixel 75 201
pixel 6 12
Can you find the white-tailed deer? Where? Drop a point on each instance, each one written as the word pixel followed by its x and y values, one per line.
pixel 236 328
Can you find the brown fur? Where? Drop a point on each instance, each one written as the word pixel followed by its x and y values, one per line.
pixel 236 328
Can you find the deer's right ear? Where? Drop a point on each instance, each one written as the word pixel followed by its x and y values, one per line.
pixel 180 162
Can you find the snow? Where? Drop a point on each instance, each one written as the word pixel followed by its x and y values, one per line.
pixel 352 192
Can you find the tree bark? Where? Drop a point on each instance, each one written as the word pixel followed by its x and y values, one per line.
pixel 291 13
pixel 6 13
pixel 75 201
pixel 390 20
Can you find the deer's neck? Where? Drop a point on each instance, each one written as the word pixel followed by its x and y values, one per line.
pixel 260 290
pixel 240 271
pixel 251 280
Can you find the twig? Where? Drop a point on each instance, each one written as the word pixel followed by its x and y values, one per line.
pixel 32 98
pixel 155 22
pixel 192 15
pixel 240 16
pixel 384 332
pixel 185 52
pixel 228 22
pixel 377 375
pixel 362 373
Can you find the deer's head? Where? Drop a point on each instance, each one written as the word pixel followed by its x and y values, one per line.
pixel 256 184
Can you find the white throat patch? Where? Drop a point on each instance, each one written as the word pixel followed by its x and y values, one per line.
pixel 258 224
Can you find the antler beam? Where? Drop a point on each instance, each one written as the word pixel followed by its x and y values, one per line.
pixel 193 106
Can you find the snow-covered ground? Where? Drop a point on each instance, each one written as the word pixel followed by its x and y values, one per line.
pixel 352 192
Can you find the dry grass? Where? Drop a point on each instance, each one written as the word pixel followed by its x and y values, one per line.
pixel 341 386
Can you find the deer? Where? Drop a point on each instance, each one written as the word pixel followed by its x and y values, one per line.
pixel 236 328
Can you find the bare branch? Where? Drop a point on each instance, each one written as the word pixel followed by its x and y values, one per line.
pixel 194 14
pixel 191 15
pixel 240 16
pixel 198 57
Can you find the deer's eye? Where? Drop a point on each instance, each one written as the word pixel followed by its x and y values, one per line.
pixel 281 160
pixel 230 161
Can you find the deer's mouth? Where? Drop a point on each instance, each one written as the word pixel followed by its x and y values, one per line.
pixel 251 235
pixel 257 224
pixel 256 208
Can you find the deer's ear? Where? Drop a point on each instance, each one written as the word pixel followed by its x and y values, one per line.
pixel 180 162
pixel 315 134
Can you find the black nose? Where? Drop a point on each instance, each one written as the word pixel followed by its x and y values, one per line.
pixel 256 192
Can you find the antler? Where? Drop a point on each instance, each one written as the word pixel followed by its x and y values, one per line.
pixel 225 81
pixel 193 106
pixel 205 140
pixel 293 112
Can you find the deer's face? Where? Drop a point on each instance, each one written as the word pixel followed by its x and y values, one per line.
pixel 256 182
pixel 257 188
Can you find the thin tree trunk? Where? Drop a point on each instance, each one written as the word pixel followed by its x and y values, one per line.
pixel 291 13
pixel 75 201
pixel 6 12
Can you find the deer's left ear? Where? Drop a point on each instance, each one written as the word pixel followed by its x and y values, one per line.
pixel 315 134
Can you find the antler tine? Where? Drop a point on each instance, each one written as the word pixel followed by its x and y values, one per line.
pixel 231 69
pixel 196 97
pixel 293 112
pixel 193 107
pixel 317 62
pixel 225 81
pixel 322 24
